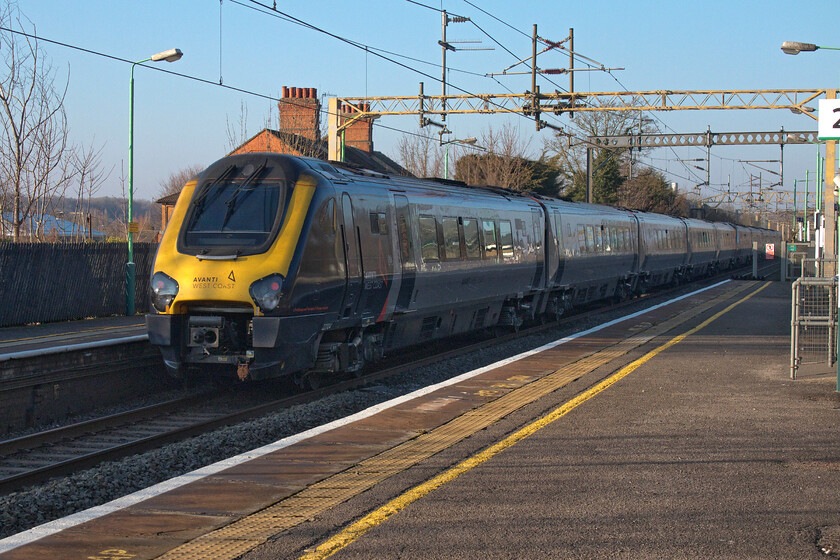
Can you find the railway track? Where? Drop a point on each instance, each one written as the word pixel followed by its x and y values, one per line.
pixel 35 458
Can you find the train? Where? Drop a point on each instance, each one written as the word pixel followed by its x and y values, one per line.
pixel 280 266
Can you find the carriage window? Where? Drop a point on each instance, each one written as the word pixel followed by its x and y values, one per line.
pixel 599 243
pixel 471 238
pixel 590 240
pixel 326 218
pixel 559 230
pixel 404 236
pixel 451 239
pixel 506 239
pixel 614 243
pixel 489 230
pixel 428 239
pixel 582 239
pixel 378 225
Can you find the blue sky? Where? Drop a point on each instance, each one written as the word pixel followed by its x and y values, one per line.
pixel 672 45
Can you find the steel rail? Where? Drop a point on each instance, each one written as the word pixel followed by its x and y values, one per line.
pixel 134 417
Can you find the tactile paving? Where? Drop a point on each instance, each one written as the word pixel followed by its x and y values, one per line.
pixel 235 539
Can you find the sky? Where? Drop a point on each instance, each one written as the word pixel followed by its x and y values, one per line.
pixel 662 45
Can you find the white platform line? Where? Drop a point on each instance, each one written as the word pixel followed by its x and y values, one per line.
pixel 72 520
pixel 71 347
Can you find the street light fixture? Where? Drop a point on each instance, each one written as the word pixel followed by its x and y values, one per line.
pixel 169 56
pixel 795 47
pixel 471 141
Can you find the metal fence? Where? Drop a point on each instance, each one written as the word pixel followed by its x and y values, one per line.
pixel 818 268
pixel 45 282
pixel 813 323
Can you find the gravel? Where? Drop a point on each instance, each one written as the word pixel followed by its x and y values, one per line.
pixel 108 481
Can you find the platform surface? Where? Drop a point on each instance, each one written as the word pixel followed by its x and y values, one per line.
pixel 704 449
pixel 60 335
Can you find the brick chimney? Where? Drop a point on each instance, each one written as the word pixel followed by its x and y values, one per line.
pixel 300 112
pixel 359 134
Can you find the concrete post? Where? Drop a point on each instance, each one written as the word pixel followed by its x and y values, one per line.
pixel 333 141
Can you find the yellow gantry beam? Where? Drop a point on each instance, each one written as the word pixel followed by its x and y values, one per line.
pixel 557 103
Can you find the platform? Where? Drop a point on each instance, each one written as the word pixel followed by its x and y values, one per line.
pixel 675 433
pixel 33 340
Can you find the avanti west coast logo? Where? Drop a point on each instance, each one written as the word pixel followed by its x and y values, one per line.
pixel 213 282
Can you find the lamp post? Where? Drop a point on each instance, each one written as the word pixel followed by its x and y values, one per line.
pixel 471 141
pixel 830 241
pixel 169 56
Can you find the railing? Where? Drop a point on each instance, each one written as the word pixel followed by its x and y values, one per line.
pixel 813 333
pixel 818 268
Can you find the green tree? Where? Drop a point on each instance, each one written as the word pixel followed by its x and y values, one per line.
pixel 606 180
pixel 650 192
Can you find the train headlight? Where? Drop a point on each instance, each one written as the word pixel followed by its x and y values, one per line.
pixel 164 289
pixel 266 292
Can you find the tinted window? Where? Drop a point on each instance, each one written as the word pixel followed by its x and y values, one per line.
pixel 471 238
pixel 590 240
pixel 451 240
pixel 581 239
pixel 489 230
pixel 559 230
pixel 235 212
pixel 378 225
pixel 506 238
pixel 428 239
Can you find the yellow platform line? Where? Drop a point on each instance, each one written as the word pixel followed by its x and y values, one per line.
pixel 379 516
pixel 227 541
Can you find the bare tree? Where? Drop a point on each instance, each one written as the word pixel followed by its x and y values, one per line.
pixel 505 162
pixel 177 179
pixel 237 133
pixel 88 178
pixel 567 151
pixel 421 154
pixel 34 136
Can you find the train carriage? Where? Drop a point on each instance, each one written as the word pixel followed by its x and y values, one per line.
pixel 726 245
pixel 597 247
pixel 702 248
pixel 274 265
pixel 663 249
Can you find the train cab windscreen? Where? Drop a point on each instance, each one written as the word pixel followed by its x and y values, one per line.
pixel 239 211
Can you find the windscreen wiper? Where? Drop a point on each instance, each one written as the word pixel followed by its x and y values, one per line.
pixel 198 201
pixel 231 202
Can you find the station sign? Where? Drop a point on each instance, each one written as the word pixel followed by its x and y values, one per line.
pixel 828 124
pixel 769 251
pixel 133 227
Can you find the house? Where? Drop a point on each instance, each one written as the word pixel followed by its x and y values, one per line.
pixel 299 133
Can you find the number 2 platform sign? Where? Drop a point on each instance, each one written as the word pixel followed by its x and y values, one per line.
pixel 828 126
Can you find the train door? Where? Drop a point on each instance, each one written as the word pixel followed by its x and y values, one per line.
pixel 539 241
pixel 352 257
pixel 637 244
pixel 561 250
pixel 406 251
